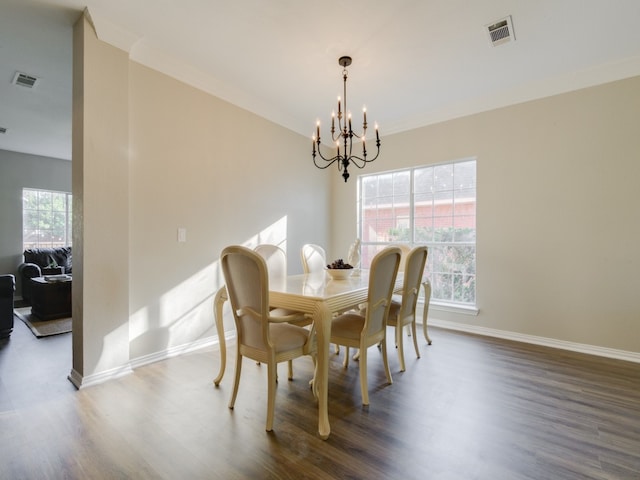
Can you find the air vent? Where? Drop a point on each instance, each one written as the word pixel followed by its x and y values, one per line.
pixel 3 130
pixel 500 31
pixel 24 80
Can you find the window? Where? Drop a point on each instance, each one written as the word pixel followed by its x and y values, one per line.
pixel 46 218
pixel 429 205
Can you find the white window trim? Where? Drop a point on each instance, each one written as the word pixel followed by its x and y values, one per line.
pixel 451 308
pixel 68 204
pixel 435 305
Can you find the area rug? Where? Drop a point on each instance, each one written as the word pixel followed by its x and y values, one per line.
pixel 43 328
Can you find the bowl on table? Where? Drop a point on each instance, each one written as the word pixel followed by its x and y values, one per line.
pixel 340 273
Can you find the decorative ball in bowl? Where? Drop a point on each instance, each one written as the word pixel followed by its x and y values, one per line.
pixel 339 270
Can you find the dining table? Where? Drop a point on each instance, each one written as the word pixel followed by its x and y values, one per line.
pixel 320 296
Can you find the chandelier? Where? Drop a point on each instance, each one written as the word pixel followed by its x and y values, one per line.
pixel 345 135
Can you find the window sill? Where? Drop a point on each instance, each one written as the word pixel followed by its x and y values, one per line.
pixel 449 307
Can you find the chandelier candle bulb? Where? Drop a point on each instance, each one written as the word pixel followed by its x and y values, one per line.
pixel 344 132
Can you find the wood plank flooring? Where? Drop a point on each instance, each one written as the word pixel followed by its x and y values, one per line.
pixel 471 408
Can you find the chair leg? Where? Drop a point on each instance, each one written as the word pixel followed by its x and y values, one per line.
pixel 415 338
pixel 425 310
pixel 385 361
pixel 312 383
pixel 271 393
pixel 290 367
pixel 364 388
pixel 345 362
pixel 236 381
pixel 400 346
pixel 426 334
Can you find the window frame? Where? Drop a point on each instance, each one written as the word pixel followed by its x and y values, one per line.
pixel 412 239
pixel 45 212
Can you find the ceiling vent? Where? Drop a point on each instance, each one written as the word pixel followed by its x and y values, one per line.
pixel 500 31
pixel 3 130
pixel 24 80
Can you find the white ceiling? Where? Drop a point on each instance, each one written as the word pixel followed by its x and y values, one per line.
pixel 415 62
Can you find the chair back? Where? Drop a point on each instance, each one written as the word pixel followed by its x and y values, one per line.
pixel 276 260
pixel 405 249
pixel 382 278
pixel 414 269
pixel 314 258
pixel 247 281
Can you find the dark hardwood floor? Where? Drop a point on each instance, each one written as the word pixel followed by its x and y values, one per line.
pixel 471 408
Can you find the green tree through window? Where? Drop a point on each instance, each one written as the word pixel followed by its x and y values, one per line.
pixel 46 218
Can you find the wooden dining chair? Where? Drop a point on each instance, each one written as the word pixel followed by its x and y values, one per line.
pixel 314 258
pixel 276 260
pixel 358 330
pixel 402 312
pixel 261 336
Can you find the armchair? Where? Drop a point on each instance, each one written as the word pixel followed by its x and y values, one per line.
pixel 260 336
pixel 7 287
pixel 364 330
pixel 403 309
pixel 43 261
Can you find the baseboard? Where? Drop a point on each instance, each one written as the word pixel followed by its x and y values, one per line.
pixel 75 378
pixel 179 350
pixel 543 341
pixel 85 381
pixel 80 381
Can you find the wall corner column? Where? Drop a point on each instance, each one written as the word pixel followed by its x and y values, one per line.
pixel 100 185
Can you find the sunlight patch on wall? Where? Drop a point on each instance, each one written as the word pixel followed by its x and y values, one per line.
pixel 274 234
pixel 184 314
pixel 112 345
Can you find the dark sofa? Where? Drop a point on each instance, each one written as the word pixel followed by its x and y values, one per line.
pixel 43 261
pixel 7 287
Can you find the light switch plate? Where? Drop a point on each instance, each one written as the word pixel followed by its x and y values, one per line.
pixel 182 234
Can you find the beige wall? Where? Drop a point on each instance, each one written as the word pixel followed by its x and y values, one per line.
pixel 227 177
pixel 557 215
pixel 152 155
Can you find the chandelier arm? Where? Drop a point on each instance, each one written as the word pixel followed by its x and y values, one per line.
pixel 330 161
pixel 363 160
